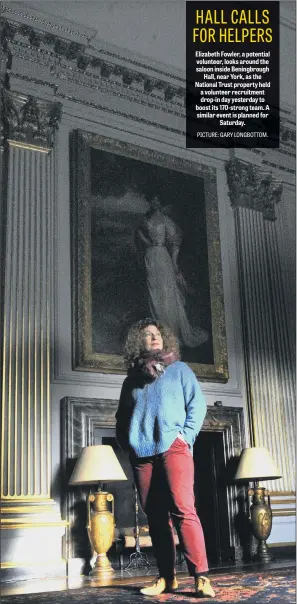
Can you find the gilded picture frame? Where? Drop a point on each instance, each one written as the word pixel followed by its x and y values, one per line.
pixel 113 188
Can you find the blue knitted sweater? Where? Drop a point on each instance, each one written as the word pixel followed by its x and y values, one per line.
pixel 150 417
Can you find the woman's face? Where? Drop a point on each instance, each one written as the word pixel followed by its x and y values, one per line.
pixel 155 203
pixel 151 338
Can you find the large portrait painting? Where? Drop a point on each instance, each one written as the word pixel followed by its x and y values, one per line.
pixel 145 243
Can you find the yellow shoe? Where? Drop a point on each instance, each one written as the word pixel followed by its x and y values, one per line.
pixel 203 588
pixel 159 586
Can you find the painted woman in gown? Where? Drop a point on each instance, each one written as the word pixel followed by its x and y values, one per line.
pixel 158 238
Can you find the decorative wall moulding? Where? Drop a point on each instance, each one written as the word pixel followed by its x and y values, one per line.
pixel 67 58
pixel 251 188
pixel 23 12
pixel 28 120
pixel 51 49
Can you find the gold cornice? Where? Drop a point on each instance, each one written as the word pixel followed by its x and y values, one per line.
pixel 27 146
pixel 25 564
pixel 27 499
pixel 27 510
pixel 282 493
pixel 282 501
pixel 283 512
pixel 283 544
pixel 12 523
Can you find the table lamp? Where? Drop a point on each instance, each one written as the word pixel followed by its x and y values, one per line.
pixel 257 464
pixel 98 465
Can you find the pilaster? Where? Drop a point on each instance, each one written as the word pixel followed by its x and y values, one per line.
pixel 254 195
pixel 28 129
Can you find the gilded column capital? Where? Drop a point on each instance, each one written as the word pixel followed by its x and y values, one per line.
pixel 251 188
pixel 27 120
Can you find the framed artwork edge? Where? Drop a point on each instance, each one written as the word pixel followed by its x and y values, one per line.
pixel 84 358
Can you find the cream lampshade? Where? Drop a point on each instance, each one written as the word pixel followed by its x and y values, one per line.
pixel 257 464
pixel 96 465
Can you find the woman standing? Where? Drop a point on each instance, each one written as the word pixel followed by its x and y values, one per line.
pixel 160 413
pixel 158 239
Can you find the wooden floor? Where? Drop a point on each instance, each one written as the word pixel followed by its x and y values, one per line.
pixel 125 577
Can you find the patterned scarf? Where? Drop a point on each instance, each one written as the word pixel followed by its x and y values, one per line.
pixel 152 363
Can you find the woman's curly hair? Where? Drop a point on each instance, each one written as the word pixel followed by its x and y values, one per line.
pixel 133 344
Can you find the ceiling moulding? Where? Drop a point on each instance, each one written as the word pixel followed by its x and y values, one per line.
pixel 22 12
pixel 74 61
pixel 75 42
pixel 75 48
pixel 59 53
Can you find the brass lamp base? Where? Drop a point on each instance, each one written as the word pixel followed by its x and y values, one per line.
pixel 101 567
pixel 263 553
pixel 261 522
pixel 101 531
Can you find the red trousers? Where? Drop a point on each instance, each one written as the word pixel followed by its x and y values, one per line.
pixel 165 485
